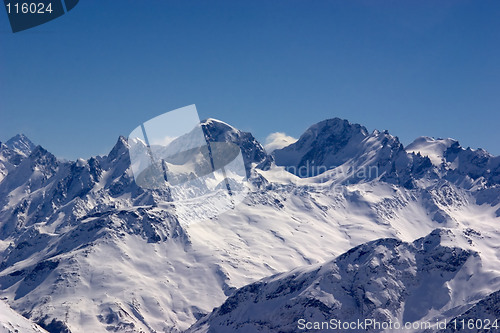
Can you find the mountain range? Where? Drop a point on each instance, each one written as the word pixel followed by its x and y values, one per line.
pixel 342 224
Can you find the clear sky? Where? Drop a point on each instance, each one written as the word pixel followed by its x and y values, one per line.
pixel 412 67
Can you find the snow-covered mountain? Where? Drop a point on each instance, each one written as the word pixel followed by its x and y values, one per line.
pixel 335 144
pixel 12 152
pixel 84 249
pixel 382 281
pixel 20 144
pixel 328 143
pixel 466 165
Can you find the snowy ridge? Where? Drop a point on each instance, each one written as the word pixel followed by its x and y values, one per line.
pixel 13 322
pixel 330 143
pixel 430 147
pixel 384 280
pixel 338 145
pixel 84 249
pixel 484 317
pixel 350 153
pixel 11 156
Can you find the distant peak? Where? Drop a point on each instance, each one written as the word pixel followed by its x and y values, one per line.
pixel 216 130
pixel 21 144
pixel 41 156
pixel 329 143
pixel 18 137
pixel 337 126
pixel 429 140
pixel 211 122
pixel 120 148
pixel 122 140
pixel 433 148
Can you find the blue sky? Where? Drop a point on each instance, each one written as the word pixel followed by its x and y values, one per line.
pixel 412 67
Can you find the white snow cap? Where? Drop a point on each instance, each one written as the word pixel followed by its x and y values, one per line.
pixel 430 147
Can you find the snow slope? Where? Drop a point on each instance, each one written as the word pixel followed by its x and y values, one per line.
pixel 387 280
pixel 20 144
pixel 13 152
pixel 481 318
pixel 430 147
pixel 13 322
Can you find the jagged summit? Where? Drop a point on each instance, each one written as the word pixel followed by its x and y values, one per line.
pixel 252 151
pixel 335 132
pixel 336 127
pixel 21 143
pixel 121 147
pixel 328 143
pixel 433 148
pixel 449 155
pixel 337 143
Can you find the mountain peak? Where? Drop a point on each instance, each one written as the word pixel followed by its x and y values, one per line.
pixel 21 144
pixel 333 131
pixel 336 126
pixel 215 122
pixel 329 143
pixel 433 148
pixel 252 151
pixel 119 148
pixel 218 129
